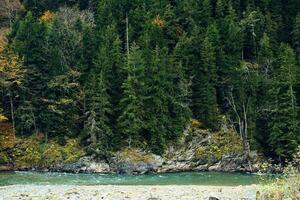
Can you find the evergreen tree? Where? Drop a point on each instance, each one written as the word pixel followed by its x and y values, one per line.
pixel 296 36
pixel 204 103
pixel 284 126
pixel 29 43
pixel 103 91
pixel 131 120
pixel 263 104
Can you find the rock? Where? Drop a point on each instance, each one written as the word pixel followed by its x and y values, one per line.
pixel 135 162
pixel 201 168
pixel 6 167
pixel 215 167
pixel 97 167
pixel 213 198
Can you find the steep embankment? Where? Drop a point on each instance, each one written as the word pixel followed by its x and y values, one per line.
pixel 198 150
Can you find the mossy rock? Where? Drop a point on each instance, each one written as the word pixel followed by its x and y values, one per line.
pixel 136 155
pixel 221 143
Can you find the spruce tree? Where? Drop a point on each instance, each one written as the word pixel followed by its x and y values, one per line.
pixel 205 106
pixel 284 126
pixel 29 43
pixel 266 63
pixel 103 91
pixel 131 120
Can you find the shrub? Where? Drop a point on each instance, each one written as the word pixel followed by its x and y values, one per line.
pixel 27 153
pixel 72 151
pixel 3 158
pixel 53 154
pixel 286 187
pixel 6 135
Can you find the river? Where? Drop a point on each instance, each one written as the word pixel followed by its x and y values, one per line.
pixel 183 178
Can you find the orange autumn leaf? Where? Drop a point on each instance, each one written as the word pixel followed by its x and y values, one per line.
pixel 159 22
pixel 47 16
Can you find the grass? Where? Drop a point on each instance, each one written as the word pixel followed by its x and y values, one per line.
pixel 285 188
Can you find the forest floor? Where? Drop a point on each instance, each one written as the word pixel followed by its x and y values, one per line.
pixel 110 192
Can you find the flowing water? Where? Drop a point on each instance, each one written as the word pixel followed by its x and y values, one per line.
pixel 183 178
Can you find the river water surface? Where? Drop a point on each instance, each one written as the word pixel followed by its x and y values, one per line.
pixel 183 178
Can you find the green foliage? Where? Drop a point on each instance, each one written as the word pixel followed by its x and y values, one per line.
pixel 72 151
pixel 52 154
pixel 118 74
pixel 284 126
pixel 4 158
pixel 27 153
pixel 204 95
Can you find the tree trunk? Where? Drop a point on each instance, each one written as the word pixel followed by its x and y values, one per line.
pixel 12 114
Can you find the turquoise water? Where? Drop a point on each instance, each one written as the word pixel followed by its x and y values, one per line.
pixel 184 178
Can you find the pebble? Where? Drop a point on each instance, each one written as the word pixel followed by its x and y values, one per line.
pixel 71 192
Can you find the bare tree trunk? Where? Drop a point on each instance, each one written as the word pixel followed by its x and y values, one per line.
pixel 12 114
pixel 243 126
pixel 127 38
pixel 34 122
pixel 245 138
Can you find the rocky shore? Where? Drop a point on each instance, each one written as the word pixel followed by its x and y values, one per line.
pixel 126 192
pixel 198 150
pixel 143 163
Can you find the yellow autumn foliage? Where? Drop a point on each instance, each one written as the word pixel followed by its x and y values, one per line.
pixel 158 21
pixel 47 16
pixel 3 118
pixel 6 135
pixel 11 71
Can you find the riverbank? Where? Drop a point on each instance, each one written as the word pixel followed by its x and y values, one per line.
pixel 110 192
pixel 198 150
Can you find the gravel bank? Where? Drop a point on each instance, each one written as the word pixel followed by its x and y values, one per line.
pixel 110 192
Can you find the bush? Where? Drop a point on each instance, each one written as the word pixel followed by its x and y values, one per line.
pixel 6 135
pixel 287 187
pixel 53 154
pixel 72 151
pixel 27 153
pixel 3 158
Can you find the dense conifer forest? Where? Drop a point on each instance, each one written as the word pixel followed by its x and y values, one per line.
pixel 134 73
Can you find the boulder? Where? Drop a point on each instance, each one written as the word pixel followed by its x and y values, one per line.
pixel 134 161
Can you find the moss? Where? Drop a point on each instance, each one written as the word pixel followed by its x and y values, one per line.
pixel 221 143
pixel 135 155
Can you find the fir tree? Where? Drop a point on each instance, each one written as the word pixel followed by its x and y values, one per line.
pixel 131 119
pixel 284 134
pixel 204 97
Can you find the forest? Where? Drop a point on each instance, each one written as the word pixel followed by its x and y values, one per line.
pixel 135 73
